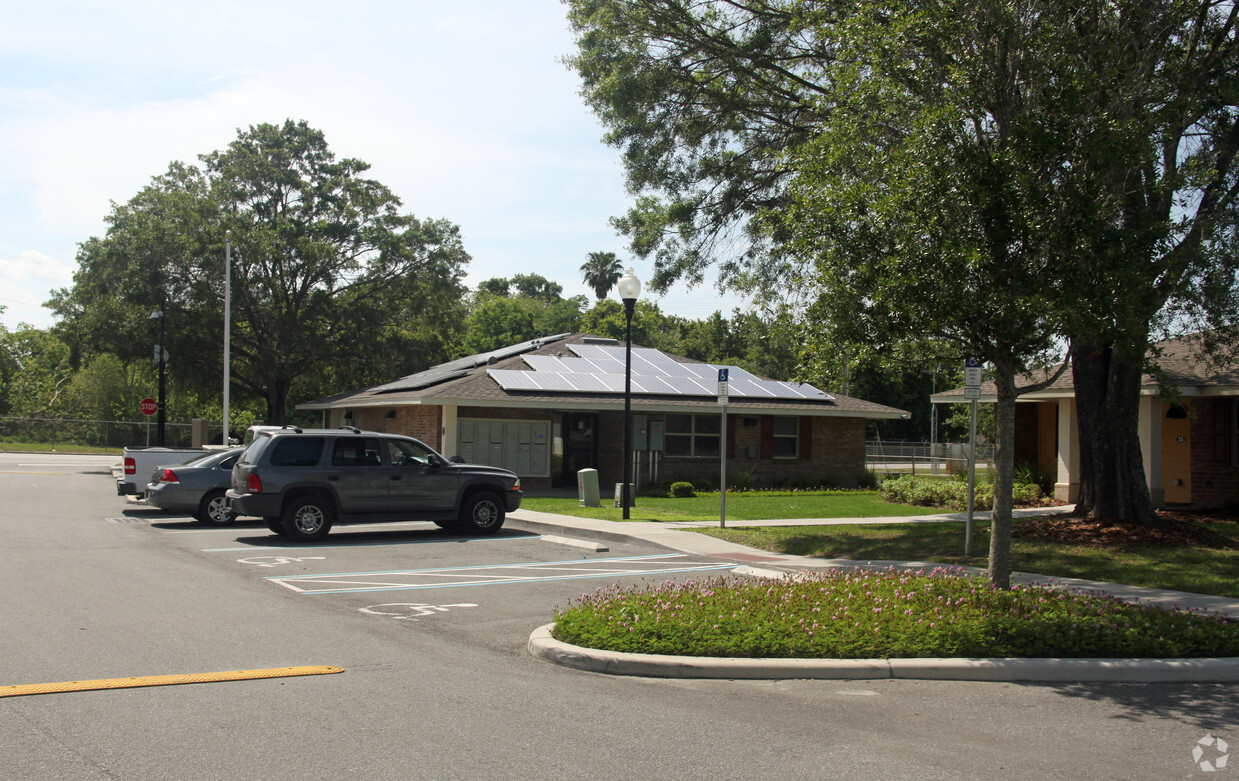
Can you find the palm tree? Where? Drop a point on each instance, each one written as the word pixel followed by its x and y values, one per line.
pixel 602 271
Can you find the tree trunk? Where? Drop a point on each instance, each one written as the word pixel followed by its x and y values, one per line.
pixel 1107 391
pixel 1004 477
pixel 277 400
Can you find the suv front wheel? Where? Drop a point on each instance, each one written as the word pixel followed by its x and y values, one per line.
pixel 307 519
pixel 482 513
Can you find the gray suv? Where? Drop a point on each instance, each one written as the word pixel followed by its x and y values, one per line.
pixel 302 481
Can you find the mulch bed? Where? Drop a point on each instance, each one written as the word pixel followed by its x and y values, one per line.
pixel 1175 529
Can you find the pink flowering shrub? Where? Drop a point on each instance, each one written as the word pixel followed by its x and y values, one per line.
pixel 885 614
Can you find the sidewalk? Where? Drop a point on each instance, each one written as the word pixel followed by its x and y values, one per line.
pixel 679 537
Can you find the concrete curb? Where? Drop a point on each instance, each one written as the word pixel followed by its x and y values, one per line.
pixel 543 646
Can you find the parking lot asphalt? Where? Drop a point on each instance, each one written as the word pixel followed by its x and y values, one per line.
pixel 758 563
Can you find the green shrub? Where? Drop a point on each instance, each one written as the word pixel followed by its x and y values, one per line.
pixel 682 490
pixel 951 494
pixel 886 614
pixel 742 481
pixel 1030 474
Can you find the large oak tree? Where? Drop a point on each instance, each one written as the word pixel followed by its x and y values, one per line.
pixel 1092 142
pixel 332 285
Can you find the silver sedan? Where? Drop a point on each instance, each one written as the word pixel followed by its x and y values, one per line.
pixel 195 487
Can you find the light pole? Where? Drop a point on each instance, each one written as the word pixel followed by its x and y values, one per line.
pixel 629 288
pixel 161 355
pixel 227 328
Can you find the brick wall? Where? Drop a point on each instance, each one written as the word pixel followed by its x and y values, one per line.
pixel 1214 480
pixel 420 422
pixel 837 449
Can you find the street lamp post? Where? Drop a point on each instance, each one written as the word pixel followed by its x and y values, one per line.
pixel 161 355
pixel 227 328
pixel 629 288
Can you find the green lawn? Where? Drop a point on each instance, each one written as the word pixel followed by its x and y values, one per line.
pixel 60 447
pixel 748 506
pixel 1201 570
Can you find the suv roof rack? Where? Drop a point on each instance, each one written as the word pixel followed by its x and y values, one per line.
pixel 353 429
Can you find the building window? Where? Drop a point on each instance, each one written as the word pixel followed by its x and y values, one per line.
pixel 786 437
pixel 693 436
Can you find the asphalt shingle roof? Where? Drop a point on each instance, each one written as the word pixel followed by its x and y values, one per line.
pixel 1180 362
pixel 465 382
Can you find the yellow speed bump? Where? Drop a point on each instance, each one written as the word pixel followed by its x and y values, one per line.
pixel 163 680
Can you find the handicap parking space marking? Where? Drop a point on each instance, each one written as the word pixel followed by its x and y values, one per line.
pixel 494 574
pixel 410 611
pixel 275 561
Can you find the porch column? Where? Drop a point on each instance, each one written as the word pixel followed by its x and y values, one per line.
pixel 1152 412
pixel 1067 486
pixel 447 435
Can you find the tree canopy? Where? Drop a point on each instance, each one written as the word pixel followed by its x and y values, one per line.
pixel 331 283
pixel 1091 144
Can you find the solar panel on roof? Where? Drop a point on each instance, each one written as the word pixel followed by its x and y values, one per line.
pixel 741 386
pixel 599 368
pixel 592 383
pixel 509 379
pixel 653 385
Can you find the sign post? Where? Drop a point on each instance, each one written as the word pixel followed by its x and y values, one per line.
pixel 148 407
pixel 972 392
pixel 722 450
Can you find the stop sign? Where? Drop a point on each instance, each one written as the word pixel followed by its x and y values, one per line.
pixel 148 406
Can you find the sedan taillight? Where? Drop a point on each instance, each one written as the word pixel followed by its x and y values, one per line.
pixel 168 476
pixel 253 484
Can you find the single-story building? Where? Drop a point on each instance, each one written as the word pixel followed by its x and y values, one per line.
pixel 552 406
pixel 1189 445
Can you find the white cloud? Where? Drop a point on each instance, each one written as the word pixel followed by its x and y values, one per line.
pixel 464 110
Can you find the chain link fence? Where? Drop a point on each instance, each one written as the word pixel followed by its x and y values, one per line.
pixel 92 433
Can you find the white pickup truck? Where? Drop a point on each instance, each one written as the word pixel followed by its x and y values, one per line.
pixel 140 463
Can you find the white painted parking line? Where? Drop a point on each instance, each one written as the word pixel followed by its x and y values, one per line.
pixel 437 541
pixel 494 574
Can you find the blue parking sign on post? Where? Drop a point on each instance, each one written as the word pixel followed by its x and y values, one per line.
pixel 722 375
pixel 972 372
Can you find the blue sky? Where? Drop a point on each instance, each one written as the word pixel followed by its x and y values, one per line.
pixel 464 109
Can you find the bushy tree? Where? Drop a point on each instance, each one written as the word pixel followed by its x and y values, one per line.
pixel 330 281
pixel 1090 148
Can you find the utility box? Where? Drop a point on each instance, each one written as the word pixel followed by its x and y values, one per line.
pixel 656 437
pixel 198 432
pixel 641 436
pixel 619 495
pixel 587 488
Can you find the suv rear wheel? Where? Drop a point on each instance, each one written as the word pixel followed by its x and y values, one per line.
pixel 482 513
pixel 307 519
